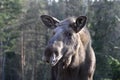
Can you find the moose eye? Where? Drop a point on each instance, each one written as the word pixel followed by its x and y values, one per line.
pixel 68 34
pixel 53 33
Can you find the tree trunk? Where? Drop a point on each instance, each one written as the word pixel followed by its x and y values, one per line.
pixel 22 55
pixel 3 66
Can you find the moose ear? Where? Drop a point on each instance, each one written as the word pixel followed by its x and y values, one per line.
pixel 80 23
pixel 49 21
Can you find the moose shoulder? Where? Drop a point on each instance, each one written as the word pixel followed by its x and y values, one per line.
pixel 69 50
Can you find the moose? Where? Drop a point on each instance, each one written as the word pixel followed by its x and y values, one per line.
pixel 69 50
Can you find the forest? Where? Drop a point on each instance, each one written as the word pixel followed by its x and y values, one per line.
pixel 23 36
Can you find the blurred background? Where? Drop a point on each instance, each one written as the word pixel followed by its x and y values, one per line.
pixel 23 36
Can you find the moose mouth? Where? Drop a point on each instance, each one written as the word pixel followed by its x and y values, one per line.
pixel 55 61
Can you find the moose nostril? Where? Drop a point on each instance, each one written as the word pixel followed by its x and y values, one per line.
pixel 47 61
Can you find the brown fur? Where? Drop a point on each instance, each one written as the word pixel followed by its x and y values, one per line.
pixel 78 57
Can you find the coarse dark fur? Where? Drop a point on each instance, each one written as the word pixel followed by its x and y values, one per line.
pixel 69 50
